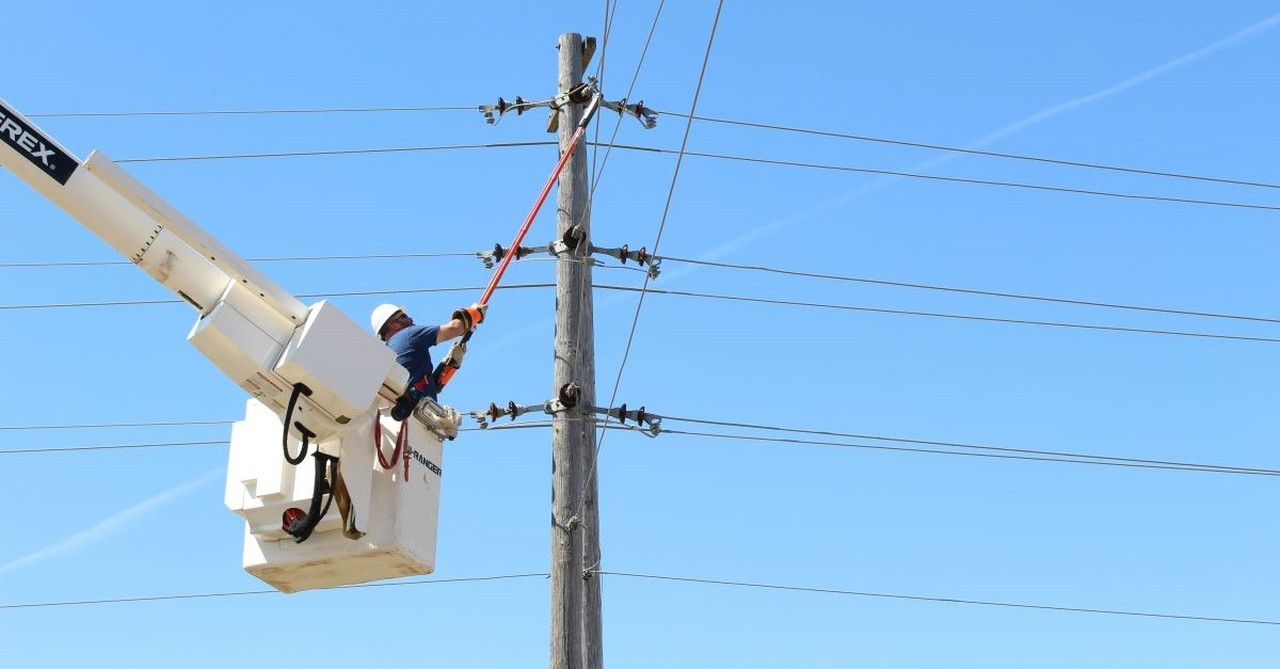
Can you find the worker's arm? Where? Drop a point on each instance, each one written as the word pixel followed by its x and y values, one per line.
pixel 450 330
pixel 463 320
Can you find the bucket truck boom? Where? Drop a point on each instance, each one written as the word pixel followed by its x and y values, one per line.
pixel 313 374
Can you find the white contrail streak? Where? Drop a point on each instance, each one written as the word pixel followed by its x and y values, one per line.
pixel 1012 128
pixel 1125 85
pixel 109 526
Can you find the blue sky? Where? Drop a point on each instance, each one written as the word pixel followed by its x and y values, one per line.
pixel 744 552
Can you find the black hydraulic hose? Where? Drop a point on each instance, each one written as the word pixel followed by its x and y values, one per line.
pixel 301 529
pixel 298 389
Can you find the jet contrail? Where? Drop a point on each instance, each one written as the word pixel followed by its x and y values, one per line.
pixel 105 528
pixel 1012 128
pixel 1125 85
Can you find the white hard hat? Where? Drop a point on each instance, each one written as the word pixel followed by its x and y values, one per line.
pixel 381 314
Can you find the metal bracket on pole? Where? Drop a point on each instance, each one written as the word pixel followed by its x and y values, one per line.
pixel 569 241
pixel 580 94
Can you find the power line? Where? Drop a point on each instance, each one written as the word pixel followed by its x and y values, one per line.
pixel 968 291
pixel 335 152
pixel 944 600
pixel 630 89
pixel 709 296
pixel 112 447
pixel 244 593
pixel 707 119
pixel 252 112
pixel 962 180
pixel 351 293
pixel 662 224
pixel 708 263
pixel 719 156
pixel 979 152
pixel 743 584
pixel 904 312
pixel 366 256
pixel 1081 459
pixel 1001 452
pixel 87 426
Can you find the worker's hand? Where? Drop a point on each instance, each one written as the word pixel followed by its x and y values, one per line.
pixel 454 357
pixel 471 316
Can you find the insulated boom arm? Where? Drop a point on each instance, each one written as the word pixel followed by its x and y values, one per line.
pixel 252 329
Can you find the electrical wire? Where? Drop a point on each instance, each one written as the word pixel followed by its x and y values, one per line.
pixel 88 426
pixel 662 224
pixel 720 156
pixel 707 119
pixel 930 314
pixel 969 291
pixel 335 152
pixel 961 180
pixel 366 256
pixel 350 293
pixel 635 76
pixel 945 600
pixel 113 447
pixel 676 579
pixel 723 265
pixel 954 444
pixel 252 112
pixel 979 152
pixel 1081 460
pixel 1000 452
pixel 709 296
pixel 244 593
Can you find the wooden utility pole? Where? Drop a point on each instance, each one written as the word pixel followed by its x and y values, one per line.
pixel 575 617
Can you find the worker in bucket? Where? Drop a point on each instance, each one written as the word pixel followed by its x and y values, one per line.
pixel 412 343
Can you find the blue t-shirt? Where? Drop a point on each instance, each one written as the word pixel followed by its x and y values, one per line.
pixel 412 347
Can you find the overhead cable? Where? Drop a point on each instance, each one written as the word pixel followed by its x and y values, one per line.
pixel 720 156
pixel 351 293
pixel 709 263
pixel 945 600
pixel 971 450
pixel 365 256
pixel 87 426
pixel 710 296
pixel 635 76
pixel 968 291
pixel 707 119
pixel 244 593
pixel 904 312
pixel 980 152
pixel 252 112
pixel 961 180
pixel 111 447
pixel 1082 459
pixel 662 224
pixel 334 152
